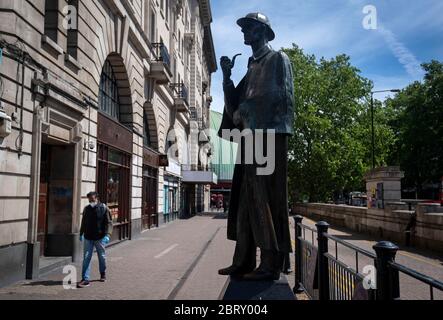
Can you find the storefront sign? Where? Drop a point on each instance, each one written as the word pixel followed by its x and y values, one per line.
pixel 150 158
pixel 114 134
pixel 163 160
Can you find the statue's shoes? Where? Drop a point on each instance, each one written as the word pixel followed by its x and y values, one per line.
pixel 260 275
pixel 233 271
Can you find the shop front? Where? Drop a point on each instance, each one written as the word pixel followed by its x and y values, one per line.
pixel 171 196
pixel 151 161
pixel 114 173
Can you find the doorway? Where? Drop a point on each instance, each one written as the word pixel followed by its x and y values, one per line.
pixel 149 197
pixel 55 208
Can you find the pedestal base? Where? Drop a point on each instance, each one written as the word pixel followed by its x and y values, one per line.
pixel 257 290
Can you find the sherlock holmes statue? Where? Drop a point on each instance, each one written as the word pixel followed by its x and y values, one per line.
pixel 262 101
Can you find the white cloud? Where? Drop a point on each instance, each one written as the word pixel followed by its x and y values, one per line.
pixel 402 53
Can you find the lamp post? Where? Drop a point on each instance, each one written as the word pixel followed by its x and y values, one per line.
pixel 372 120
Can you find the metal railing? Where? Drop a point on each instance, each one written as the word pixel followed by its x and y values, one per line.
pixel 433 284
pixel 162 54
pixel 324 276
pixel 202 123
pixel 181 92
pixel 305 274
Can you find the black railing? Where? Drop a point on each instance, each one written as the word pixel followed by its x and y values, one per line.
pixel 323 276
pixel 162 54
pixel 202 124
pixel 307 260
pixel 180 91
pixel 433 284
pixel 193 114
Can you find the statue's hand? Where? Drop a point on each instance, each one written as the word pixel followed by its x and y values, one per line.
pixel 226 66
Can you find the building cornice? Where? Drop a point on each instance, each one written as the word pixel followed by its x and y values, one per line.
pixel 208 45
pixel 209 49
pixel 205 12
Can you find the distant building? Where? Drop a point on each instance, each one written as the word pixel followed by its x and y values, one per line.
pixel 223 158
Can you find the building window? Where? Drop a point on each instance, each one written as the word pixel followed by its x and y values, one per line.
pixel 108 94
pixel 146 132
pixel 171 199
pixel 146 17
pixel 73 32
pixel 113 177
pixel 179 41
pixel 51 19
pixel 153 25
pixel 149 197
pixel 167 10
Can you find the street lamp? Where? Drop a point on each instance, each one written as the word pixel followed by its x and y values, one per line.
pixel 372 120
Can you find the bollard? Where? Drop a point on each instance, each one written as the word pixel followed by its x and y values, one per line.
pixel 388 282
pixel 323 272
pixel 298 288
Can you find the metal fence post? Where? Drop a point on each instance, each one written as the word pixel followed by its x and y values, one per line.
pixel 388 282
pixel 323 272
pixel 298 288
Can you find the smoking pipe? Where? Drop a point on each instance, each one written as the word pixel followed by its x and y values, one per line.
pixel 233 60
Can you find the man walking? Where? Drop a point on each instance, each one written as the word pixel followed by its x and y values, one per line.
pixel 95 231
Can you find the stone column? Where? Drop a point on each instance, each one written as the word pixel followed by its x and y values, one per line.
pixel 383 185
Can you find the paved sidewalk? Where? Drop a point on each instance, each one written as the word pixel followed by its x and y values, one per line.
pixel 178 261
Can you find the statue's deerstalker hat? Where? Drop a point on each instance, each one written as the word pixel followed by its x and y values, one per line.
pixel 261 18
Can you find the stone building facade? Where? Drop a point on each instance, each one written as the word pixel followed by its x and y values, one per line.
pixel 100 95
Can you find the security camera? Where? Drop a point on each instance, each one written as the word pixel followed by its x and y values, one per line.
pixel 90 145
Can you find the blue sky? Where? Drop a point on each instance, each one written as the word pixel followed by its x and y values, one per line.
pixel 409 32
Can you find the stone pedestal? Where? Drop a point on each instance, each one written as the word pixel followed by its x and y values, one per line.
pixel 383 185
pixel 257 290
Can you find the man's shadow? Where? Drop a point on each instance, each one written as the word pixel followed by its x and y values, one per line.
pixel 50 283
pixel 45 283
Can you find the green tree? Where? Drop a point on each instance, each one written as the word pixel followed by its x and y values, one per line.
pixel 331 147
pixel 419 129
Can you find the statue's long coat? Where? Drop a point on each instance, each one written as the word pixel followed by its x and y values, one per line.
pixel 264 100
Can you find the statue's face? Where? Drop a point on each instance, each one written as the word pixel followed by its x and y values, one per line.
pixel 253 32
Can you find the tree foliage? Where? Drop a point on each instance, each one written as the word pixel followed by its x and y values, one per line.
pixel 331 147
pixel 418 126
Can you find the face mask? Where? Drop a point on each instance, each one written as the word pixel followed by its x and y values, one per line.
pixel 93 204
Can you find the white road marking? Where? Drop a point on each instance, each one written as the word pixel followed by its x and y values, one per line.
pixel 161 254
pixel 148 239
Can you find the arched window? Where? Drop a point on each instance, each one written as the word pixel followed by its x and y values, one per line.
pixel 109 102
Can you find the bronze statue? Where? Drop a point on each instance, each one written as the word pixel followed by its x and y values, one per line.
pixel 263 100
